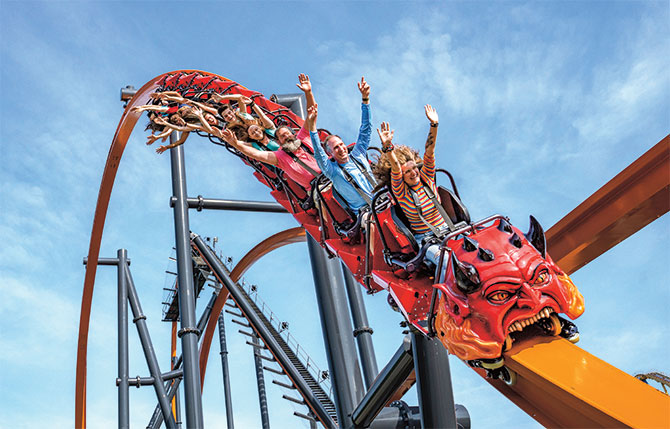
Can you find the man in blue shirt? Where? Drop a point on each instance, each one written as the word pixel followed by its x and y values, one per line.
pixel 350 172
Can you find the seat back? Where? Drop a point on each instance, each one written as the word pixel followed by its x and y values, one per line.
pixel 453 206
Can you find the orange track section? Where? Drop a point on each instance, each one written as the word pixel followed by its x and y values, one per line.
pixel 125 127
pixel 631 200
pixel 561 385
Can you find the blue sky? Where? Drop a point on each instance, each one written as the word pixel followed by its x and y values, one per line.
pixel 540 104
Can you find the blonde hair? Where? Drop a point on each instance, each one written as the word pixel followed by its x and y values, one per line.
pixel 382 168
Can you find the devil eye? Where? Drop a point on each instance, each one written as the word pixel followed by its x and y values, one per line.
pixel 499 297
pixel 542 278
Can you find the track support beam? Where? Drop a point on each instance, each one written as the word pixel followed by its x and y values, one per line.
pixel 188 332
pixel 336 327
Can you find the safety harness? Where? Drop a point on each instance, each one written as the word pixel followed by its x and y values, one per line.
pixel 355 184
pixel 438 232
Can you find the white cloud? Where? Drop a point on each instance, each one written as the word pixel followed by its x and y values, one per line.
pixel 33 311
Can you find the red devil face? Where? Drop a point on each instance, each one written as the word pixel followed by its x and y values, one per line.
pixel 499 281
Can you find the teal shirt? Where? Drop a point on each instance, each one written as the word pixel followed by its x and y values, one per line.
pixel 272 144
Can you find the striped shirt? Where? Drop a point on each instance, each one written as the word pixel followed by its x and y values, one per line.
pixel 428 210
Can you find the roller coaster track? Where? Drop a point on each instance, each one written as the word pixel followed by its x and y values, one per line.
pixel 308 387
pixel 558 383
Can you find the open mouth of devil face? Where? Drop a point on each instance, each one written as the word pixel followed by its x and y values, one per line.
pixel 519 325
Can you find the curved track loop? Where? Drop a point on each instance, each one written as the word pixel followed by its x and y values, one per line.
pixel 292 235
pixel 125 127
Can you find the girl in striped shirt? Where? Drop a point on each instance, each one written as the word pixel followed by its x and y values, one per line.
pixel 408 181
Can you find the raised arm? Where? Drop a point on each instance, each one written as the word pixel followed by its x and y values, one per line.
pixel 306 86
pixel 365 132
pixel 168 96
pixel 163 135
pixel 182 139
pixel 431 114
pixel 205 107
pixel 267 123
pixel 218 98
pixel 151 107
pixel 251 152
pixel 165 123
pixel 386 137
pixel 204 125
pixel 319 153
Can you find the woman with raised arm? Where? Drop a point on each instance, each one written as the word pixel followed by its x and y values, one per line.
pixel 413 187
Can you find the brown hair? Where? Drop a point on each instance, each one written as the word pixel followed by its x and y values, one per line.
pixel 382 168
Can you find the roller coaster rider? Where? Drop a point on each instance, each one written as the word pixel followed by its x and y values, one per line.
pixel 415 188
pixel 294 156
pixel 350 173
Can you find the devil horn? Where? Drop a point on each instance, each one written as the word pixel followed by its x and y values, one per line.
pixel 467 277
pixel 504 226
pixel 536 236
pixel 485 254
pixel 469 244
pixel 516 240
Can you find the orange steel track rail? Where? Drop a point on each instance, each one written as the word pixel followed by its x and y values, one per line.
pixel 125 127
pixel 624 205
pixel 292 235
pixel 561 385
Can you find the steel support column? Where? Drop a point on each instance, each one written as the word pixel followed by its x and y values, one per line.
pixel 122 304
pixel 343 363
pixel 188 332
pixel 157 417
pixel 362 330
pixel 226 373
pixel 150 355
pixel 433 383
pixel 260 380
pixel 234 205
pixel 386 384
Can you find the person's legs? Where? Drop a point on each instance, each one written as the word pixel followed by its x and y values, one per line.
pixel 433 251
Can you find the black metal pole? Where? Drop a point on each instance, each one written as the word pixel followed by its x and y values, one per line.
pixel 336 326
pixel 362 330
pixel 122 304
pixel 433 383
pixel 234 205
pixel 389 380
pixel 226 372
pixel 260 380
pixel 188 332
pixel 157 418
pixel 150 355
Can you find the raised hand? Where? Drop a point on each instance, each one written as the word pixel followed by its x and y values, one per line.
pixel 246 100
pixel 304 84
pixel 229 137
pixel 431 114
pixel 161 149
pixel 313 113
pixel 385 135
pixel 364 88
